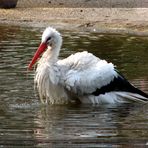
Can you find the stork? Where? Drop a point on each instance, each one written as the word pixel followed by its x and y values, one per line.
pixel 80 77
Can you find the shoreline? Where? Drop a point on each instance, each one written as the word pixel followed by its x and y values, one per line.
pixel 133 21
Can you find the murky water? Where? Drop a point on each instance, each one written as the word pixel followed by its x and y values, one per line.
pixel 24 122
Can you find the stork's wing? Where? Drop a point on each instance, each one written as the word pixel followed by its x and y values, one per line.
pixel 83 73
pixel 120 84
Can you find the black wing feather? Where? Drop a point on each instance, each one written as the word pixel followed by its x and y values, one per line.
pixel 119 83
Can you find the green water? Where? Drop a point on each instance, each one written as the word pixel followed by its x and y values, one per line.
pixel 24 122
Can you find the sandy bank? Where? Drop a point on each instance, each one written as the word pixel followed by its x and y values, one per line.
pixel 116 20
pixel 83 3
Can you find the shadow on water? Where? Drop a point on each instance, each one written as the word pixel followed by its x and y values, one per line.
pixel 25 122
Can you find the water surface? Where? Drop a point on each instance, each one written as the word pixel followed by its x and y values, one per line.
pixel 24 122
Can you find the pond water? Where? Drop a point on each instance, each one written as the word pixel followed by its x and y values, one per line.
pixel 25 122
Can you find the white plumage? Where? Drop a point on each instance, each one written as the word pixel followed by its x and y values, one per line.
pixel 85 73
pixel 81 76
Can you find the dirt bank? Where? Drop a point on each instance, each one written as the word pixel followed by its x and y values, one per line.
pixel 114 20
pixel 84 3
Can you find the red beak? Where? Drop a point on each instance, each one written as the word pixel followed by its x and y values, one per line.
pixel 40 50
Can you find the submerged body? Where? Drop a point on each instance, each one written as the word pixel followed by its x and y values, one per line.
pixel 80 77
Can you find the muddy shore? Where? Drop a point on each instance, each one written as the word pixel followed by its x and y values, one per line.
pixel 104 20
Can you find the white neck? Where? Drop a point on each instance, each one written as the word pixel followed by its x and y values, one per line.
pixel 50 56
pixel 47 79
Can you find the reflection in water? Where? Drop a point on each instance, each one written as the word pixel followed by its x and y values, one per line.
pixel 86 126
pixel 25 122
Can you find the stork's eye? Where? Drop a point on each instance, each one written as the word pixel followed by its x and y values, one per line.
pixel 49 38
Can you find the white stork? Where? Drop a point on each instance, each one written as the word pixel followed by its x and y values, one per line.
pixel 80 77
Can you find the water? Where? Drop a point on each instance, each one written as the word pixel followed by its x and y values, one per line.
pixel 25 122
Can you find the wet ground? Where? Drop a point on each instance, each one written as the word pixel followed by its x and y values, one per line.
pixel 25 122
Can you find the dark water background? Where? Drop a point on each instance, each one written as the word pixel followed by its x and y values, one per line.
pixel 24 122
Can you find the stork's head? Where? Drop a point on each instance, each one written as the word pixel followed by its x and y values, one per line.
pixel 51 39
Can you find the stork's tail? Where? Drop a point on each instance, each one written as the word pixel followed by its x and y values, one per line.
pixel 124 90
pixel 141 95
pixel 132 92
pixel 132 96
